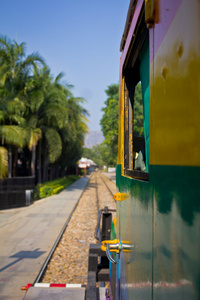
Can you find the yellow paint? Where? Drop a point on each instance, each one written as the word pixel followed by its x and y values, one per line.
pixel 120 159
pixel 112 242
pixel 150 11
pixel 115 223
pixel 121 196
pixel 131 150
pixel 175 91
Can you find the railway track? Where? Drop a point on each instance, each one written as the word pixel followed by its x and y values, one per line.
pixel 68 259
pixel 104 205
pixel 106 181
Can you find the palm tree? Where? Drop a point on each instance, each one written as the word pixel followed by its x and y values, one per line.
pixel 14 71
pixel 14 66
pixel 53 117
pixel 37 111
pixel 12 133
pixel 73 133
pixel 45 115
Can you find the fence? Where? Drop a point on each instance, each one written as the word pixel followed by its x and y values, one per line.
pixel 16 192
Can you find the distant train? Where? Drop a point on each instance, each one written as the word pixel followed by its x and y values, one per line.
pixel 157 241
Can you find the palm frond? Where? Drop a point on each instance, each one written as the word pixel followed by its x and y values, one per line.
pixel 83 124
pixel 35 100
pixel 2 117
pixel 79 100
pixel 59 77
pixel 35 135
pixel 4 41
pixel 3 162
pixel 16 119
pixel 11 106
pixel 31 122
pixel 13 135
pixel 33 58
pixel 54 144
pixel 57 114
pixel 20 48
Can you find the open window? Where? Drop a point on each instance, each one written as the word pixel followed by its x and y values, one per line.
pixel 136 108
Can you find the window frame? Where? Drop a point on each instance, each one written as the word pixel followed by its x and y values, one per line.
pixel 131 78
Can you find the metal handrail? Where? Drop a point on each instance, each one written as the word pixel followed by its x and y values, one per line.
pixel 109 256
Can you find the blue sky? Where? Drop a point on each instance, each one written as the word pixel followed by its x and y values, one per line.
pixel 78 37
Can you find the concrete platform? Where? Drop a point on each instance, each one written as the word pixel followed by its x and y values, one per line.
pixel 58 293
pixel 27 235
pixel 55 293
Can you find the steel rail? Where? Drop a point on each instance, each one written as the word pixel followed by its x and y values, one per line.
pixel 103 179
pixel 97 231
pixel 44 266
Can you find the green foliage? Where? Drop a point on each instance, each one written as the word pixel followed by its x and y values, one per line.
pixel 100 154
pixel 106 153
pixel 13 135
pixel 54 187
pixel 82 172
pixel 37 111
pixel 54 144
pixel 109 124
pixel 138 121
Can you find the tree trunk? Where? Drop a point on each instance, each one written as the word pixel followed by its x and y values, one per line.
pixel 54 172
pixel 15 162
pixel 10 163
pixel 51 173
pixel 33 161
pixel 62 173
pixel 40 163
pixel 45 166
pixel 57 172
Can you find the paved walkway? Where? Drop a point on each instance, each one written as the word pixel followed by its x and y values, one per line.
pixel 27 235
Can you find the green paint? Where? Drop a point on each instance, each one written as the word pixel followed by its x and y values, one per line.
pixel 162 217
pixel 168 183
pixel 144 76
pixel 113 232
pixel 177 184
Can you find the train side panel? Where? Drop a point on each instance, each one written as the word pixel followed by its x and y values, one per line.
pixel 175 148
pixel 161 218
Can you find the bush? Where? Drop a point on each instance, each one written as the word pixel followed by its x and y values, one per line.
pixel 82 172
pixel 54 187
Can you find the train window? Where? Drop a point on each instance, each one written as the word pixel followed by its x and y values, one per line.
pixel 136 115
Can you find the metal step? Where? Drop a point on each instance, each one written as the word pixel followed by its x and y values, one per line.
pixel 103 275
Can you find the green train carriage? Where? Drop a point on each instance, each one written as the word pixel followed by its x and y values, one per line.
pixel 158 169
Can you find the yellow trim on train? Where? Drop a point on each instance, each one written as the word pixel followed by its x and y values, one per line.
pixel 115 223
pixel 120 159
